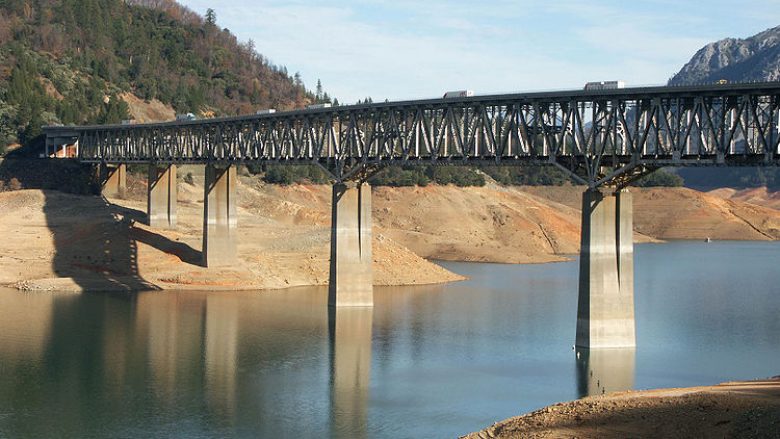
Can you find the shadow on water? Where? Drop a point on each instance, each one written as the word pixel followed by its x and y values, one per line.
pixel 96 242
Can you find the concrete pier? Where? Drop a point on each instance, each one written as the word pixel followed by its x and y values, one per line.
pixel 162 194
pixel 605 314
pixel 113 180
pixel 219 216
pixel 601 371
pixel 351 278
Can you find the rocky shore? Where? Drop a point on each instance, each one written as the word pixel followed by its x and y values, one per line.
pixel 748 409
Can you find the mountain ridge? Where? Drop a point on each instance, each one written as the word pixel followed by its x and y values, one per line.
pixel 755 58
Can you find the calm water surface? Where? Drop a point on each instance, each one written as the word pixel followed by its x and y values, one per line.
pixel 432 361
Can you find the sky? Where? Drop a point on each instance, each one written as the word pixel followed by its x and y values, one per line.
pixel 407 49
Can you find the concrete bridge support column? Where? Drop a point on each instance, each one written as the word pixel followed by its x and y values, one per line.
pixel 162 194
pixel 219 216
pixel 351 278
pixel 605 314
pixel 113 180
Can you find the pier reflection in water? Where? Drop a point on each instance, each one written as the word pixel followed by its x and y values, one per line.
pixel 429 361
pixel 350 369
pixel 601 371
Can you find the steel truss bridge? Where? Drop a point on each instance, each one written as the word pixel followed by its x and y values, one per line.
pixel 599 137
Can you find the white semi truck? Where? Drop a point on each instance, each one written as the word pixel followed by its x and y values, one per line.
pixel 605 85
pixel 459 94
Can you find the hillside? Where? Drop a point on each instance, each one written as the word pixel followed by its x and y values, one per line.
pixel 64 242
pixel 756 58
pixel 61 241
pixel 84 61
pixel 681 213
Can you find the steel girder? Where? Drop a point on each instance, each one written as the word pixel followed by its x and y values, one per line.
pixel 599 139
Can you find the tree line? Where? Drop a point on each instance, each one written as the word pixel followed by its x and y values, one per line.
pixel 462 176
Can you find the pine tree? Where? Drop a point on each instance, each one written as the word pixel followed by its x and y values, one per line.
pixel 318 91
pixel 211 17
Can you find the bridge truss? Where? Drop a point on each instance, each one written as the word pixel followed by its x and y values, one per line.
pixel 605 137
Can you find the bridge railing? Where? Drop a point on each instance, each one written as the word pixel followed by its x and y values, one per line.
pixel 678 124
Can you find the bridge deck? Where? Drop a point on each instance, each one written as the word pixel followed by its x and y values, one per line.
pixel 582 131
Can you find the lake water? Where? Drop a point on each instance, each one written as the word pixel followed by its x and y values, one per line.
pixel 436 361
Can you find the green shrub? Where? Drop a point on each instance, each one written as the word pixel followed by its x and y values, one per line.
pixel 459 176
pixel 660 178
pixel 290 174
pixel 527 175
pixel 400 176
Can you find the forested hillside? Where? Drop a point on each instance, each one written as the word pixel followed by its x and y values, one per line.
pixel 65 61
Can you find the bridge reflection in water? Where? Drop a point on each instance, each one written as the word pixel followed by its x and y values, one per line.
pixel 231 364
pixel 190 336
pixel 601 371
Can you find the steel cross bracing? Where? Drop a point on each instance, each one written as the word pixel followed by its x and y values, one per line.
pixel 599 137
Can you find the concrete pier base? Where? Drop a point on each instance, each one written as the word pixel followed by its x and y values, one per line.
pixel 162 194
pixel 605 314
pixel 219 216
pixel 351 278
pixel 113 180
pixel 601 371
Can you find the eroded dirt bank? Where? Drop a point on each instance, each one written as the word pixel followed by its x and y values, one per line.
pixel 680 213
pixel 57 241
pixel 748 409
pixel 68 242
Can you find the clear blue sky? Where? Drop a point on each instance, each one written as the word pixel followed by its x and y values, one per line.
pixel 399 49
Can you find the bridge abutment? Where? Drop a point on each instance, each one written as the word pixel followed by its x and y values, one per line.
pixel 162 194
pixel 220 217
pixel 351 278
pixel 113 180
pixel 605 313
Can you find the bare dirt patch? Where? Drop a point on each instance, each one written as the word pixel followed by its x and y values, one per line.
pixel 57 241
pixel 148 111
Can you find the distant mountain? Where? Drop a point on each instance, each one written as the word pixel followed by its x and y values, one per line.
pixel 736 60
pixel 88 61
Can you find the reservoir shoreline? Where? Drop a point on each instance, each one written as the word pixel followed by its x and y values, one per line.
pixel 733 409
pixel 63 242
